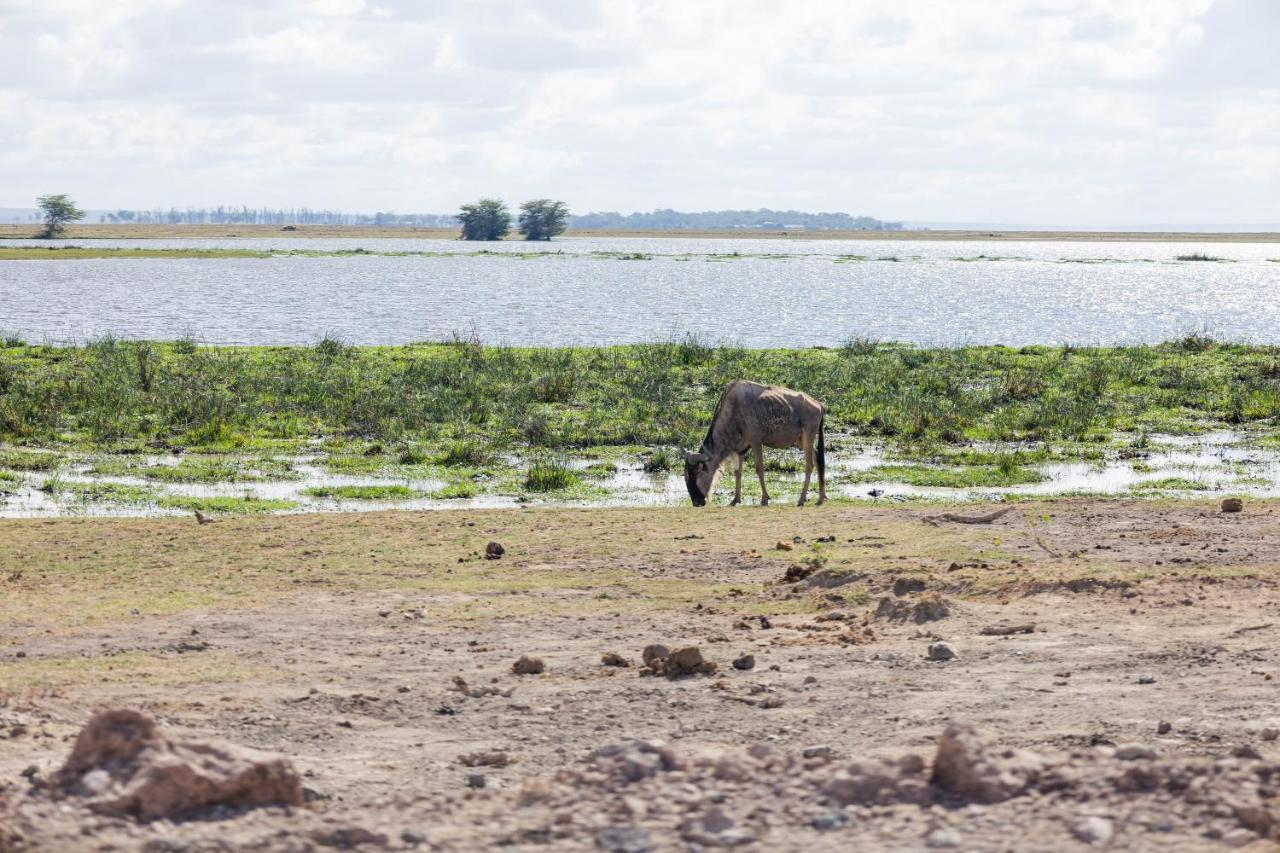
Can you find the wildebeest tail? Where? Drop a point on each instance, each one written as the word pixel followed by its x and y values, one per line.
pixel 822 447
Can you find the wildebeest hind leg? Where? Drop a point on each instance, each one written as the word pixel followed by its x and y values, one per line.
pixel 806 444
pixel 737 483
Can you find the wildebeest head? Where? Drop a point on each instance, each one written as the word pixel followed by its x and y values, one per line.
pixel 698 477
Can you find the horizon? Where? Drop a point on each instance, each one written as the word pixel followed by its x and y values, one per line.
pixel 1076 112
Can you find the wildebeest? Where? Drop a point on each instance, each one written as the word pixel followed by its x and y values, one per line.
pixel 749 417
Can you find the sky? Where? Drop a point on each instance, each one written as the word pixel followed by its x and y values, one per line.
pixel 1067 112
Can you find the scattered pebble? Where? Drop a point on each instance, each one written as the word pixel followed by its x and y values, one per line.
pixel 528 666
pixel 744 662
pixel 1092 830
pixel 941 652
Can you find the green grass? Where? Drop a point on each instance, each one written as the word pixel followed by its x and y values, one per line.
pixel 200 470
pixel 1170 484
pixel 362 493
pixel 28 460
pixel 550 475
pixel 456 491
pixel 973 476
pixel 246 505
pixel 463 405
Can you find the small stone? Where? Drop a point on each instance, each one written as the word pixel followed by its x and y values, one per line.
pixel 772 702
pixel 1239 837
pixel 413 838
pixel 1269 734
pixel 1092 830
pixel 1244 750
pixel 829 821
pixel 941 652
pixel 625 839
pixel 1164 727
pixel 476 781
pixel 744 662
pixel 1146 679
pixel 494 551
pixel 311 794
pixel 654 652
pixel 783 546
pixel 1135 752
pixel 614 659
pixel 818 752
pixel 528 666
pixel 943 838
pixel 1232 505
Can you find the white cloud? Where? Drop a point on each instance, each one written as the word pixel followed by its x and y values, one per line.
pixel 1072 111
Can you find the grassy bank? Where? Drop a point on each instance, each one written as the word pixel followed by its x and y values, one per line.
pixel 460 404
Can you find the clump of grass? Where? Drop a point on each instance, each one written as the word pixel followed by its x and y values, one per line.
pixel 463 453
pixel 859 345
pixel 229 505
pixel 362 493
pixel 1170 484
pixel 332 345
pixel 460 490
pixel 550 474
pixel 27 460
pixel 968 477
pixel 412 456
pixel 1198 256
pixel 661 459
pixel 115 493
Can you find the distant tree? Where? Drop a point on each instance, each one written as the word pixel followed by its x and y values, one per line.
pixel 57 211
pixel 487 219
pixel 542 218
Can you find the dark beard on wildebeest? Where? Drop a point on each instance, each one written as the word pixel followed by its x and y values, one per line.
pixel 691 472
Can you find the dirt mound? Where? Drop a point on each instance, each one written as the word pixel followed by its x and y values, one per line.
pixel 686 660
pixel 929 607
pixel 122 765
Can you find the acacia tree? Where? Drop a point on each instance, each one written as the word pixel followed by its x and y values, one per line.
pixel 57 210
pixel 542 218
pixel 486 219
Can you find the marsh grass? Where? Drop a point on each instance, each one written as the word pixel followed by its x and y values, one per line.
pixel 224 504
pixel 461 404
pixel 363 493
pixel 1198 256
pixel 460 490
pixel 966 477
pixel 550 474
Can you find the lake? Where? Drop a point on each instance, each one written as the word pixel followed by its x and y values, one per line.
pixel 756 293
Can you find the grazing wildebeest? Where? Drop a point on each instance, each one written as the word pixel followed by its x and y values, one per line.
pixel 751 416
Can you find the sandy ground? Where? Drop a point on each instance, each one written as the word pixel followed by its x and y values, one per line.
pixel 335 640
pixel 208 232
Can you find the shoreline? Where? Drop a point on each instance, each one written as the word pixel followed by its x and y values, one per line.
pixel 221 232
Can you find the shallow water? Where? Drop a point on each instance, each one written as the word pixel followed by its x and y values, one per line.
pixel 1220 463
pixel 772 293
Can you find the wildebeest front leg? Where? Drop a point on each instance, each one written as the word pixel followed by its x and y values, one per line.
pixel 764 492
pixel 737 483
pixel 806 444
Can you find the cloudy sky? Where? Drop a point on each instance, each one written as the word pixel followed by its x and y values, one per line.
pixel 1073 112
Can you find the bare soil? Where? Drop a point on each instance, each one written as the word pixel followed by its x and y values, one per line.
pixel 339 641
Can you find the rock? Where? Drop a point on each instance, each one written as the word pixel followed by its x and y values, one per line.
pixel 1232 505
pixel 494 551
pixel 829 821
pixel 687 660
pixel 1134 752
pixel 1245 750
pixel 1163 727
pixel 348 838
pixel 528 666
pixel 413 838
pixel 969 766
pixel 475 781
pixel 941 652
pixel 783 546
pixel 614 659
pixel 744 662
pixel 943 839
pixel 818 752
pixel 875 782
pixel 1269 734
pixel 1146 679
pixel 797 572
pixel 312 794
pixel 1092 830
pixel 773 701
pixel 654 652
pixel 1239 837
pixel 625 839
pixel 149 776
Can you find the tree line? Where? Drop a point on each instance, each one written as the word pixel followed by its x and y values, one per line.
pixel 486 219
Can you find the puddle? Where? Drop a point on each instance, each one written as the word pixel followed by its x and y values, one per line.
pixel 1211 464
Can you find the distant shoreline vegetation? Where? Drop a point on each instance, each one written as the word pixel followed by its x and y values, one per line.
pixel 657 220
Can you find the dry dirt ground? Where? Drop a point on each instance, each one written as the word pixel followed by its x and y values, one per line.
pixel 336 640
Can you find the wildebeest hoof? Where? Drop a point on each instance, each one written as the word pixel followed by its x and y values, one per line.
pixel 734 502
pixel 764 502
